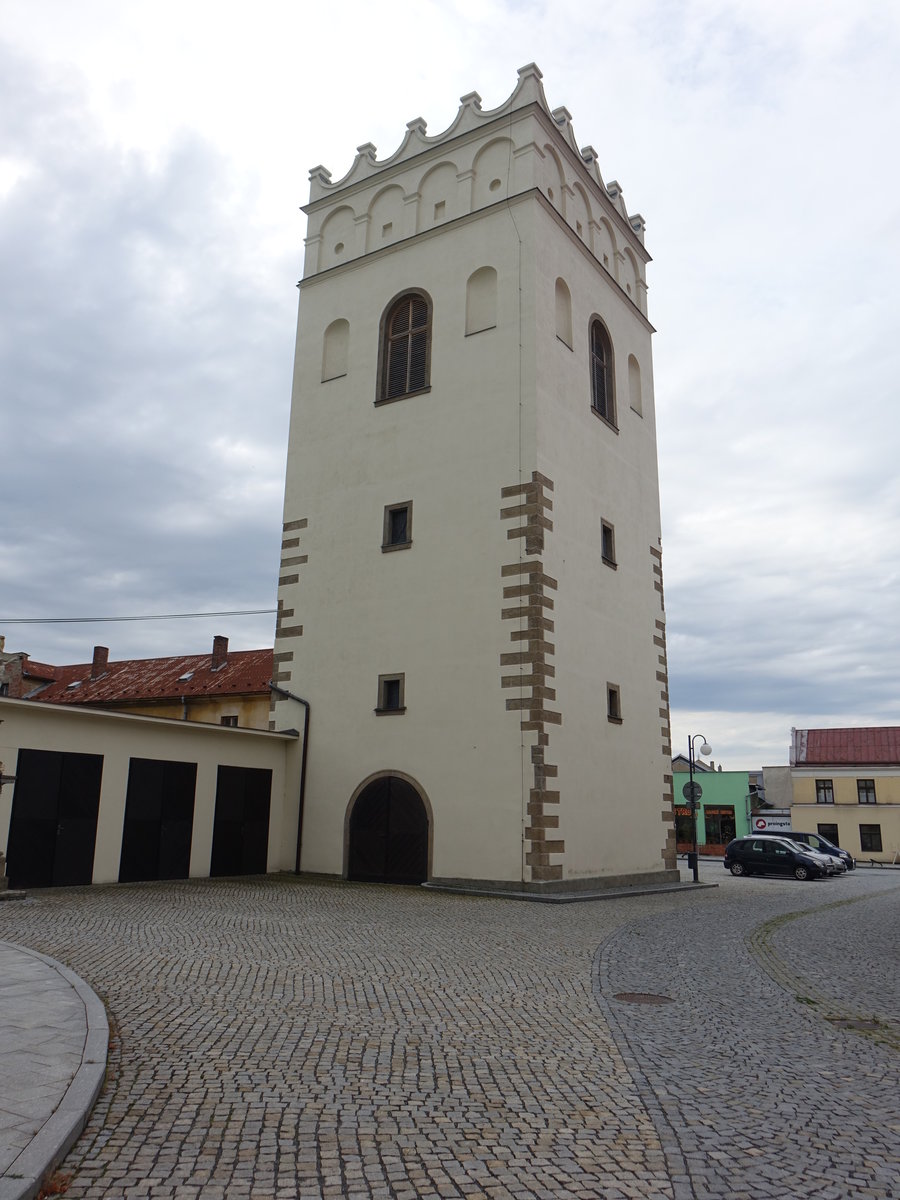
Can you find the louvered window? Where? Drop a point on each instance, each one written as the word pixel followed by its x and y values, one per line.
pixel 407 333
pixel 602 397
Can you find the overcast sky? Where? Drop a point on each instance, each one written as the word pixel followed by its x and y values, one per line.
pixel 153 158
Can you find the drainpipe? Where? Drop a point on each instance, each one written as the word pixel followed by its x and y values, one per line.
pixel 291 696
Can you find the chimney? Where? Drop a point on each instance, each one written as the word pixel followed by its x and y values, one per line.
pixel 220 652
pixel 100 662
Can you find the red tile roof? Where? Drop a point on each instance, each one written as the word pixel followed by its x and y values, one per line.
pixel 879 746
pixel 36 670
pixel 134 680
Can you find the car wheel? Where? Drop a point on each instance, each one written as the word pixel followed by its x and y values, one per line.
pixel 802 872
pixel 737 868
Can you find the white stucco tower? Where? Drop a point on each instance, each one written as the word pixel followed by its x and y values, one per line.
pixel 470 596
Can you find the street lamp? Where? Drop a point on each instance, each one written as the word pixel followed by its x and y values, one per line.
pixel 694 789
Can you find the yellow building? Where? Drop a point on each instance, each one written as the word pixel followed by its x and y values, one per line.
pixel 846 786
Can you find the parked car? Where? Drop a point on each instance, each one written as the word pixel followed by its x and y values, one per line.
pixel 835 865
pixel 776 856
pixel 815 841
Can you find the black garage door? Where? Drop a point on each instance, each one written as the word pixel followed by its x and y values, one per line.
pixel 159 820
pixel 241 831
pixel 53 828
pixel 388 834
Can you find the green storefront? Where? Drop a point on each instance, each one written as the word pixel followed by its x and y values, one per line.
pixel 724 811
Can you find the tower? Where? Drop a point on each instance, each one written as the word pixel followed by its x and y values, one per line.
pixel 470 594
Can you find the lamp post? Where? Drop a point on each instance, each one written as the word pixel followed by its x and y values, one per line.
pixel 695 802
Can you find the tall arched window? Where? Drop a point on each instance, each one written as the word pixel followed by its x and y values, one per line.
pixel 603 400
pixel 406 347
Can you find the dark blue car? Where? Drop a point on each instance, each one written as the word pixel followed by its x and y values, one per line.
pixel 815 841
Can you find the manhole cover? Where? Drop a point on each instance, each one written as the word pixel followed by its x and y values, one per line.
pixel 642 998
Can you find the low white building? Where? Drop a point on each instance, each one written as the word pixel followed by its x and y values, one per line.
pixel 470 596
pixel 96 796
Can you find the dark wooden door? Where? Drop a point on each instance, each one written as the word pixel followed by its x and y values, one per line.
pixel 388 834
pixel 241 830
pixel 53 827
pixel 159 820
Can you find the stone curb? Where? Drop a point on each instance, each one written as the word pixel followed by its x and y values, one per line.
pixel 25 1174
pixel 573 897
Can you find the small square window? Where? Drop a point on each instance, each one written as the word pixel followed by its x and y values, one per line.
pixel 870 838
pixel 608 544
pixel 230 721
pixel 391 698
pixel 865 791
pixel 397 534
pixel 824 791
pixel 827 830
pixel 613 703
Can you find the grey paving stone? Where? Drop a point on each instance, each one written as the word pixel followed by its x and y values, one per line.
pixel 286 1038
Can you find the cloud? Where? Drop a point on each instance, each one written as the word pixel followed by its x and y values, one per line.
pixel 139 349
pixel 153 162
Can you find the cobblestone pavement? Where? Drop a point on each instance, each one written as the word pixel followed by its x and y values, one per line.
pixel 280 1038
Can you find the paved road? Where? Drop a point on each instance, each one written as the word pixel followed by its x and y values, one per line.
pixel 275 1038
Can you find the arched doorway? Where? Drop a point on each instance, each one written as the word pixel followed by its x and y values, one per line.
pixel 388 836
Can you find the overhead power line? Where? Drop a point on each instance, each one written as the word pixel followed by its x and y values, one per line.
pixel 237 612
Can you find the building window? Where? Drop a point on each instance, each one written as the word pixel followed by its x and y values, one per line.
pixel 603 401
pixel 824 791
pixel 397 533
pixel 405 347
pixel 613 703
pixel 230 721
pixel 865 791
pixel 870 838
pixel 829 831
pixel 684 826
pixel 391 697
pixel 720 825
pixel 608 544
